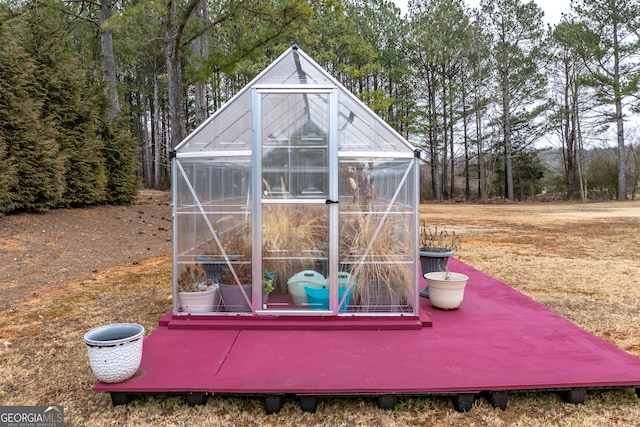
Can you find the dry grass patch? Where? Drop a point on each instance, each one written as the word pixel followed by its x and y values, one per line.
pixel 579 260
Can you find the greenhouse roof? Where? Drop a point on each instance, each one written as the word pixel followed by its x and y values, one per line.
pixel 231 128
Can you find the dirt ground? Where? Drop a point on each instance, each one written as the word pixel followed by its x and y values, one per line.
pixel 51 249
pixel 66 271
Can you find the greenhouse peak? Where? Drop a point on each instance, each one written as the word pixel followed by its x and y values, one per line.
pixel 354 128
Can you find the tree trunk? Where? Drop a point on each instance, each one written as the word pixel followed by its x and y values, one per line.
pixel 506 114
pixel 148 149
pixel 580 160
pixel 157 144
pixel 452 152
pixel 478 119
pixel 108 60
pixel 445 138
pixel 465 139
pixel 622 155
pixel 201 51
pixel 433 144
pixel 569 134
pixel 173 35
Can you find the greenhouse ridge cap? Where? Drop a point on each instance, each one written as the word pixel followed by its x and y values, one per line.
pixel 212 153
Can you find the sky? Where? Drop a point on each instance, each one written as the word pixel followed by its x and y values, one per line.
pixel 552 8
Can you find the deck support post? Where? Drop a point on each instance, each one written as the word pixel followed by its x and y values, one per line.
pixel 387 401
pixel 194 399
pixel 463 402
pixel 309 404
pixel 120 398
pixel 272 403
pixel 498 399
pixel 574 395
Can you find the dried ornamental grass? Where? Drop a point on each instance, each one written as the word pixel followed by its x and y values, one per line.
pixel 292 237
pixel 434 240
pixel 375 246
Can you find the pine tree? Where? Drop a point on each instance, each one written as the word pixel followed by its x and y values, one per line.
pixel 611 54
pixel 517 51
pixel 73 107
pixel 11 81
pixel 120 159
pixel 31 177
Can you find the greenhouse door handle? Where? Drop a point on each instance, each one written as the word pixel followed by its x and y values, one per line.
pixel 331 202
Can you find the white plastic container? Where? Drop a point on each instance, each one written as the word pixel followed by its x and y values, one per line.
pixel 296 284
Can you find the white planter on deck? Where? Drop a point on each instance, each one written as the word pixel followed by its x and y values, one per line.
pixel 115 351
pixel 446 292
pixel 201 301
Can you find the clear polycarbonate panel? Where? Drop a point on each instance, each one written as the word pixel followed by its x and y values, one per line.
pixel 315 145
pixel 361 130
pixel 213 220
pixel 377 233
pixel 227 130
pixel 295 145
pixel 230 128
pixel 293 68
pixel 295 240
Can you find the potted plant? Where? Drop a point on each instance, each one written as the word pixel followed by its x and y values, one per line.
pixel 233 238
pixel 235 276
pixel 446 288
pixel 436 246
pixel 197 294
pixel 268 286
pixel 237 297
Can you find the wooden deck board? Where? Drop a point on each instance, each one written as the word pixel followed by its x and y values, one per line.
pixel 498 339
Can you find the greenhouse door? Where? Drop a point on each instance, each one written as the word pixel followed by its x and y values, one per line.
pixel 296 203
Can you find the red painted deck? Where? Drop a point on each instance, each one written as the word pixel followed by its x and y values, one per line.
pixel 497 340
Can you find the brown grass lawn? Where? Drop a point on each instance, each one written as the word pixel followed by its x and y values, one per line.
pixel 580 260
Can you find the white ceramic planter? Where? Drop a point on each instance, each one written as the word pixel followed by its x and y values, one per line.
pixel 115 351
pixel 201 302
pixel 443 293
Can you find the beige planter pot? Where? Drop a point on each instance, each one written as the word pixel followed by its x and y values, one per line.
pixel 443 293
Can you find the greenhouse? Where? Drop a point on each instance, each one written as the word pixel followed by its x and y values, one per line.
pixel 294 198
